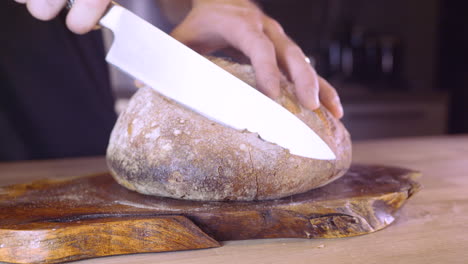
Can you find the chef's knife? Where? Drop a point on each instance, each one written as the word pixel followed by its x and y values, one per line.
pixel 176 71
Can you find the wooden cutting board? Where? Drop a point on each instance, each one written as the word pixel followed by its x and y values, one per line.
pixel 53 221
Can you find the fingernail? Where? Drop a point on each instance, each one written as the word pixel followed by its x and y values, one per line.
pixel 339 112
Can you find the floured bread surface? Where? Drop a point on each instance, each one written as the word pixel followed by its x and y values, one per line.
pixel 159 147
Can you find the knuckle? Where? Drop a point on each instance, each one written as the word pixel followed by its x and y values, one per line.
pixel 274 25
pixel 42 14
pixel 245 25
pixel 79 27
pixel 251 23
pixel 253 39
pixel 307 82
pixel 42 10
pixel 293 51
pixel 305 77
pixel 262 48
pixel 266 44
pixel 252 17
pixel 311 87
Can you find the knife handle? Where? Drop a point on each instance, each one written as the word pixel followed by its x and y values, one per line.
pixel 70 3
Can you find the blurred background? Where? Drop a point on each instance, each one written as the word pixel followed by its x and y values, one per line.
pixel 400 67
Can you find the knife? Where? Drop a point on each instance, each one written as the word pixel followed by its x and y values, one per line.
pixel 179 73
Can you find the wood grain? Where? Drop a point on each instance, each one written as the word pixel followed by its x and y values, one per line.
pixel 83 217
pixel 55 242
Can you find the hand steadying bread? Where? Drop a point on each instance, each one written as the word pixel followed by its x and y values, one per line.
pixel 159 147
pixel 213 25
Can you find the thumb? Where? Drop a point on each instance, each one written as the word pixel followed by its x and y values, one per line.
pixel 189 35
pixel 182 32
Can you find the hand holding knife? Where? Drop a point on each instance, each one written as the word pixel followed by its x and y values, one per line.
pixel 212 25
pixel 174 70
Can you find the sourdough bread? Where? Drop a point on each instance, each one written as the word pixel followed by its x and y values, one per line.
pixel 159 147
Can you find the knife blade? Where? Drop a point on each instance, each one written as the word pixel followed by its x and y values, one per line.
pixel 179 73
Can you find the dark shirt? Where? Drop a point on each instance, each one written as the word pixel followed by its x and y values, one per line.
pixel 55 95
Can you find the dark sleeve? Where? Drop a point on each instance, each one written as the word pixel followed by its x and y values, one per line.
pixel 55 95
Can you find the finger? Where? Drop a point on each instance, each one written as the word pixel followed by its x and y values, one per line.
pixel 235 55
pixel 85 14
pixel 44 9
pixel 305 82
pixel 245 34
pixel 261 52
pixel 330 99
pixel 292 60
pixel 184 32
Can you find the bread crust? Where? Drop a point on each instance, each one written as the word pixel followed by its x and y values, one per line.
pixel 159 147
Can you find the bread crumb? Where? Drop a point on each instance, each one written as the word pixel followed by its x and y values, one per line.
pixel 167 147
pixel 321 246
pixel 129 129
pixel 175 177
pixel 153 135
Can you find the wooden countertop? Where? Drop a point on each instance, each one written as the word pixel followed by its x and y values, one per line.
pixel 431 228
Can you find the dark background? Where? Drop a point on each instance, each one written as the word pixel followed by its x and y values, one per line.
pixel 425 92
pixel 453 61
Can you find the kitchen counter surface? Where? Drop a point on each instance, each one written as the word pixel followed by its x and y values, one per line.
pixel 431 228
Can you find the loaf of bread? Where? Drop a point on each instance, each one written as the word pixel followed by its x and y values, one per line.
pixel 159 147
